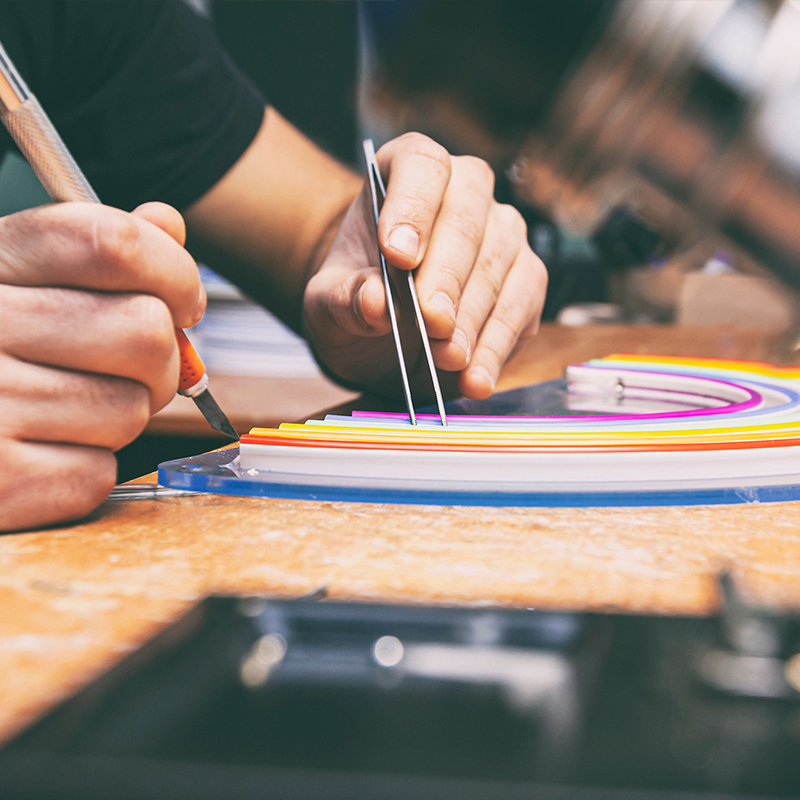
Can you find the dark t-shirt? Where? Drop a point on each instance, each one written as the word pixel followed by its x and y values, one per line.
pixel 141 92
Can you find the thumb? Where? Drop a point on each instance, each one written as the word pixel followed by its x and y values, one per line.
pixel 171 222
pixel 165 217
pixel 341 304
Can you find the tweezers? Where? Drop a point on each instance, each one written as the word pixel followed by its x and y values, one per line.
pixel 378 194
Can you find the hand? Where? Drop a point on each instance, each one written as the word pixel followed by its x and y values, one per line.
pixel 89 297
pixel 480 286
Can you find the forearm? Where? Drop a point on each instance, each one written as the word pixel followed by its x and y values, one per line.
pixel 268 223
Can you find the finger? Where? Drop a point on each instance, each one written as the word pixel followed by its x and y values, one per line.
pixel 455 243
pixel 91 246
pixel 418 173
pixel 515 314
pixel 41 484
pixel 125 335
pixel 45 404
pixel 506 233
pixel 163 216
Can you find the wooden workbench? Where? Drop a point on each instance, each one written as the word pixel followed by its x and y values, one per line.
pixel 75 599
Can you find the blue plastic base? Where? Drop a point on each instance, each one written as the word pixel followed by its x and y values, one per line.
pixel 218 473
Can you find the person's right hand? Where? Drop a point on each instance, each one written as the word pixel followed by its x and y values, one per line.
pixel 89 299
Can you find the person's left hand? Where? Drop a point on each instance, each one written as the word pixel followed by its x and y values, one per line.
pixel 481 288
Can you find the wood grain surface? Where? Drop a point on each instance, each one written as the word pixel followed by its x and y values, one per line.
pixel 76 598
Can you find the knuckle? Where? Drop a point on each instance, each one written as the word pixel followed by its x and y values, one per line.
pixel 493 348
pixel 318 301
pixel 13 306
pixel 479 169
pixel 542 276
pixel 313 296
pixel 449 278
pixel 512 220
pixel 94 482
pixel 10 477
pixel 153 325
pixel 418 209
pixel 537 271
pixel 509 316
pixel 130 402
pixel 471 317
pixel 19 389
pixel 470 229
pixel 23 229
pixel 528 333
pixel 341 306
pixel 424 146
pixel 438 155
pixel 340 297
pixel 115 239
pixel 411 139
pixel 135 415
pixel 490 272
pixel 71 494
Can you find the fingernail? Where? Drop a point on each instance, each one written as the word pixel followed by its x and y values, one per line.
pixel 481 373
pixel 404 239
pixel 460 338
pixel 442 303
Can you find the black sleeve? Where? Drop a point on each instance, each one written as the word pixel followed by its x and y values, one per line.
pixel 141 92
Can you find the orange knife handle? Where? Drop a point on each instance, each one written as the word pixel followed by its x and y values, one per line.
pixel 193 372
